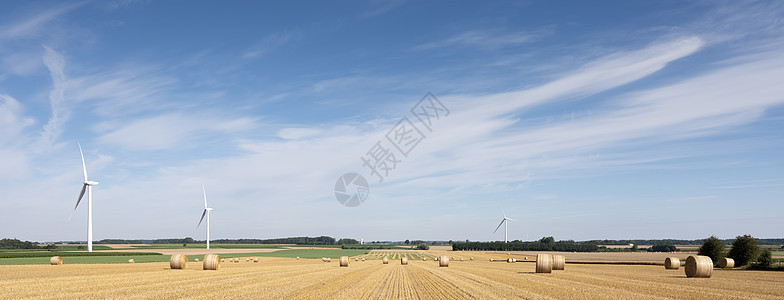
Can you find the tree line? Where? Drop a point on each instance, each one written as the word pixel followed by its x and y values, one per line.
pixel 545 244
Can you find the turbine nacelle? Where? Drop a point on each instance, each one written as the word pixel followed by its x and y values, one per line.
pixel 88 182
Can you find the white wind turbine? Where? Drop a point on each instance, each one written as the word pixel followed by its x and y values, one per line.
pixel 88 185
pixel 206 212
pixel 506 228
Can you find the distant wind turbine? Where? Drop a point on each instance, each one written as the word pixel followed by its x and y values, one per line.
pixel 506 228
pixel 206 212
pixel 88 186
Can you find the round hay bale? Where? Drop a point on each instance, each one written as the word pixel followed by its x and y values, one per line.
pixel 443 262
pixel 404 260
pixel 246 259
pixel 130 260
pixel 297 257
pixel 558 262
pixel 211 262
pixel 699 266
pixel 237 260
pixel 491 259
pixel 363 259
pixel 329 259
pixel 727 263
pixel 385 260
pixel 197 260
pixel 461 259
pixel 356 259
pixel 525 257
pixel 471 258
pixel 672 263
pixel 344 261
pixel 56 260
pixel 222 259
pixel 509 260
pixel 178 261
pixel 255 259
pixel 544 263
pixel 424 258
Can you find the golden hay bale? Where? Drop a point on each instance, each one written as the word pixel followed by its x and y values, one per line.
pixel 197 260
pixel 130 260
pixel 672 263
pixel 385 260
pixel 404 260
pixel 443 261
pixel 356 259
pixel 255 259
pixel 297 257
pixel 178 261
pixel 471 258
pixel 211 262
pixel 509 260
pixel 461 259
pixel 424 258
pixel 247 259
pixel 727 263
pixel 491 259
pixel 544 263
pixel 525 257
pixel 344 261
pixel 329 259
pixel 56 260
pixel 363 259
pixel 558 262
pixel 236 260
pixel 699 266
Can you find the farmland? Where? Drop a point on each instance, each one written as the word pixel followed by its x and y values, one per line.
pixel 275 277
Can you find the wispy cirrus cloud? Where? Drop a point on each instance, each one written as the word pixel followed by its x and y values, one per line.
pixel 269 43
pixel 483 39
pixel 171 130
pixel 32 26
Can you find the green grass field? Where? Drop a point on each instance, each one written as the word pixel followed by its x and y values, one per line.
pixel 212 246
pixel 35 258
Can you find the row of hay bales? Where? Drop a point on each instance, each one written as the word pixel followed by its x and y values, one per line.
pixel 58 260
pixel 211 261
pixel 698 265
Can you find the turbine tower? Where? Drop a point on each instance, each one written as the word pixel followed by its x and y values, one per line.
pixel 506 228
pixel 206 212
pixel 88 186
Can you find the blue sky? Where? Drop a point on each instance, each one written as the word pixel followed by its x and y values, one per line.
pixel 627 119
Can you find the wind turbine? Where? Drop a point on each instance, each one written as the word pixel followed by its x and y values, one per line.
pixel 506 228
pixel 88 185
pixel 206 212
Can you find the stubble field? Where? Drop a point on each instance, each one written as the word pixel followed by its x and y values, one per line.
pixel 314 279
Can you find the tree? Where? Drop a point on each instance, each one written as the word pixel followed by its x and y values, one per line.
pixel 744 250
pixel 662 247
pixel 765 259
pixel 547 240
pixel 188 240
pixel 347 241
pixel 713 248
pixel 407 242
pixel 635 248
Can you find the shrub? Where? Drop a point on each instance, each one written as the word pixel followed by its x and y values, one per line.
pixel 765 259
pixel 423 247
pixel 713 248
pixel 744 250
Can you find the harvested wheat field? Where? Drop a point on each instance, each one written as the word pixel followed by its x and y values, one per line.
pixel 313 279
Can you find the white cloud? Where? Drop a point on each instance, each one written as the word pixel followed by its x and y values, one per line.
pixel 32 26
pixel 170 130
pixel 269 43
pixel 55 62
pixel 483 39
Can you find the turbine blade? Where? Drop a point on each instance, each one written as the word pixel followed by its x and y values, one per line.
pixel 84 167
pixel 499 225
pixel 205 196
pixel 512 219
pixel 84 187
pixel 202 218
